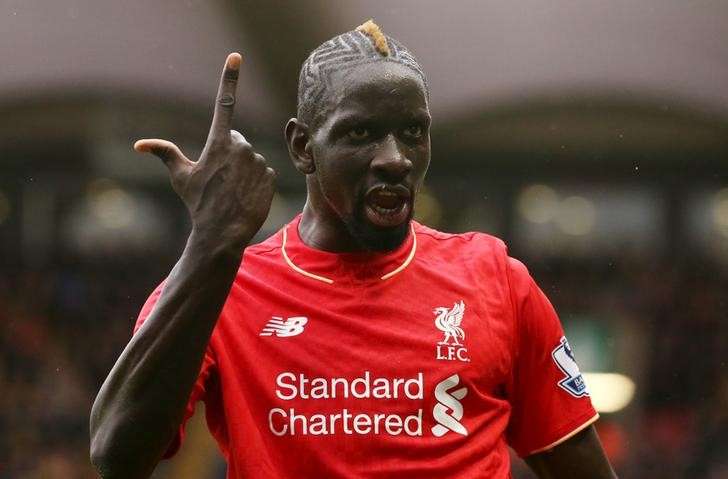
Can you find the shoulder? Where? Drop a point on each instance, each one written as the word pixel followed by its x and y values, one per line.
pixel 479 253
pixel 267 247
pixel 264 256
pixel 469 243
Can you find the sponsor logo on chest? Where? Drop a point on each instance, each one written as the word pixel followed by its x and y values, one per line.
pixel 298 393
pixel 302 391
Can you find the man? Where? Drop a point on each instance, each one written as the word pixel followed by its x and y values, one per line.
pixel 354 342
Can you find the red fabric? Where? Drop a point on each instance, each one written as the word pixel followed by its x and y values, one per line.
pixel 363 331
pixel 201 387
pixel 542 412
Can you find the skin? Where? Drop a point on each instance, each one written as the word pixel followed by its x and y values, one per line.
pixel 228 192
pixel 375 132
pixel 580 457
pixel 370 137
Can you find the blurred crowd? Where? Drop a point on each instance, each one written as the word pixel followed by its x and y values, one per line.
pixel 63 329
pixel 64 326
pixel 678 426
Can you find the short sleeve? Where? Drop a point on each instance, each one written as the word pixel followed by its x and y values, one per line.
pixel 549 399
pixel 200 388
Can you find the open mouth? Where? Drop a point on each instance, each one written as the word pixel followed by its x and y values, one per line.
pixel 387 206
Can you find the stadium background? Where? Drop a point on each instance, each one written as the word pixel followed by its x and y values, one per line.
pixel 592 136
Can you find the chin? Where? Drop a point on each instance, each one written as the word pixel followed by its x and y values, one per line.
pixel 373 238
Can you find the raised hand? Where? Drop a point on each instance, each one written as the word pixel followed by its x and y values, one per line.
pixel 229 189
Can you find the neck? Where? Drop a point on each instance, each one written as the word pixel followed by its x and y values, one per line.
pixel 323 232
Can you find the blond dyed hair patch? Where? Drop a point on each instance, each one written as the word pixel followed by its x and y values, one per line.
pixel 375 33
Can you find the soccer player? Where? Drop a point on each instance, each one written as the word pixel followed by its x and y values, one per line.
pixel 354 342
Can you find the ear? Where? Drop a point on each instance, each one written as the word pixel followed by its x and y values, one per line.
pixel 298 140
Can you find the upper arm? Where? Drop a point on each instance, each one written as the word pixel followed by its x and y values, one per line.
pixel 548 397
pixel 552 415
pixel 580 456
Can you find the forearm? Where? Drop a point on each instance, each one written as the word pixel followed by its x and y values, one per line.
pixel 141 403
pixel 579 457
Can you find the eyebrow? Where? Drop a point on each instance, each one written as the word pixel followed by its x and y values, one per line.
pixel 351 118
pixel 348 119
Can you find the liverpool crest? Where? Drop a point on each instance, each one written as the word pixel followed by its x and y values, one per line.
pixel 449 320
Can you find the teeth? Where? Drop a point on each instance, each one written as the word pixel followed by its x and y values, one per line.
pixel 385 211
pixel 386 202
pixel 381 210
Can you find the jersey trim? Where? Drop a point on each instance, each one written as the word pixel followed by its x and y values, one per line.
pixel 296 268
pixel 571 434
pixel 409 259
pixel 326 280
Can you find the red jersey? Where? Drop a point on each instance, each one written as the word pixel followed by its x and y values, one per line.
pixel 424 362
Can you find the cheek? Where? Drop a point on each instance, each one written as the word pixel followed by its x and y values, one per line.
pixel 340 180
pixel 422 161
pixel 346 167
pixel 332 175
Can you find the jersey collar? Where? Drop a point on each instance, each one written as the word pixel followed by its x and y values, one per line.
pixel 330 267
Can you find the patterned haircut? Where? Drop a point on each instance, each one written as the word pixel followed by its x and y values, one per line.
pixel 365 44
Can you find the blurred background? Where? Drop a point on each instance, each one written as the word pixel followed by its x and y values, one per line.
pixel 591 136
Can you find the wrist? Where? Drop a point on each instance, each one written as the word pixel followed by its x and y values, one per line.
pixel 215 246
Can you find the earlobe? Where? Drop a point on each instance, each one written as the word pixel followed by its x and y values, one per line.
pixel 298 141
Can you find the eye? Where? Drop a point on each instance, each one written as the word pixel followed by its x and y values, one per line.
pixel 413 131
pixel 358 133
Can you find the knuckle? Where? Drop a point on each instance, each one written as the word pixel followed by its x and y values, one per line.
pixel 237 135
pixel 259 160
pixel 244 147
pixel 226 100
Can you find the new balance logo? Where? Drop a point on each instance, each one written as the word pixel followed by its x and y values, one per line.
pixel 283 329
pixel 449 401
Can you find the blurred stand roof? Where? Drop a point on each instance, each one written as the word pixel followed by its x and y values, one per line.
pixel 510 77
pixel 172 50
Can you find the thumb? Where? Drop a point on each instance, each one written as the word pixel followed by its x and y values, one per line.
pixel 165 150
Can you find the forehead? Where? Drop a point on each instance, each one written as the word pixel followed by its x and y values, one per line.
pixel 377 86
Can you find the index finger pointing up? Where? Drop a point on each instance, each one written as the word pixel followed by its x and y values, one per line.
pixel 225 101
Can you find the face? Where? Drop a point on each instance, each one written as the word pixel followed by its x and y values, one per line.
pixel 371 152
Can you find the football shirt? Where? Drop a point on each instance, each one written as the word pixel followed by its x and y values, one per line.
pixel 427 361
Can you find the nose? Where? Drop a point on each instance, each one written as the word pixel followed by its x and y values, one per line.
pixel 390 162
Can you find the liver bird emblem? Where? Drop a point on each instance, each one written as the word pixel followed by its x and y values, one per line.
pixel 448 321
